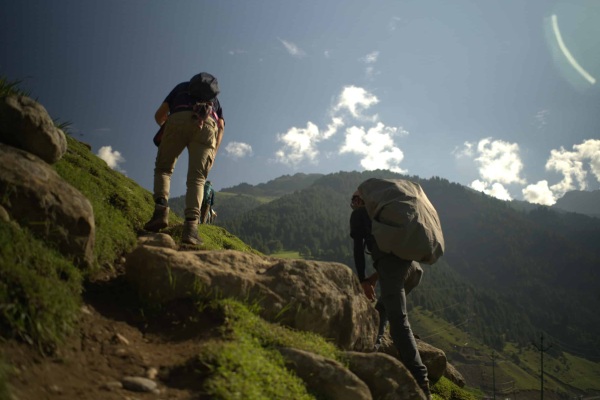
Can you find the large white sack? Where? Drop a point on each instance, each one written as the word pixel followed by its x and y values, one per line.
pixel 405 222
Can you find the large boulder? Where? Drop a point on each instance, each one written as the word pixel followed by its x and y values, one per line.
pixel 25 124
pixel 454 375
pixel 320 297
pixel 386 377
pixel 35 196
pixel 324 377
pixel 433 358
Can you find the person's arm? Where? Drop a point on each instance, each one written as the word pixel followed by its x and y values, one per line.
pixel 162 114
pixel 221 128
pixel 359 258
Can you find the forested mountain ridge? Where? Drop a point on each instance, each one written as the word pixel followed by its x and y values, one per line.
pixel 579 201
pixel 277 187
pixel 236 200
pixel 510 273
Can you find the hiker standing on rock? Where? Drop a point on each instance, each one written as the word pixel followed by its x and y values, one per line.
pixel 191 117
pixel 397 277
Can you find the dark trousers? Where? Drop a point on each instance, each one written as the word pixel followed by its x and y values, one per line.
pixel 393 273
pixel 415 274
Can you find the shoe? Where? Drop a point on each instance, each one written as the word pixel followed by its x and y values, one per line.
pixel 159 220
pixel 190 233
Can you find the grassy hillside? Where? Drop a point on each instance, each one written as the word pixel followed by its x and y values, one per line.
pixel 516 368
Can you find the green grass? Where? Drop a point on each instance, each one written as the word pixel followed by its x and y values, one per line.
pixel 39 289
pixel 246 363
pixel 8 88
pixel 520 365
pixel 121 206
pixel 4 386
pixel 288 255
pixel 446 390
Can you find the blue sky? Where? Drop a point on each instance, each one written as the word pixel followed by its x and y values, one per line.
pixel 499 96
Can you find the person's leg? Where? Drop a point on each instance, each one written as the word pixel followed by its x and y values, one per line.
pixel 392 275
pixel 169 150
pixel 201 154
pixel 413 278
pixel 203 213
pixel 382 322
pixel 173 142
pixel 380 307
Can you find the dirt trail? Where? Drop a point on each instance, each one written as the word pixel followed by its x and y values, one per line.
pixel 113 341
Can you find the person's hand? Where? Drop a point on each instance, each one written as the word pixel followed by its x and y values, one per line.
pixel 373 278
pixel 369 289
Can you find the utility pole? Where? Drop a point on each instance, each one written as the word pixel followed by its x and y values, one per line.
pixel 542 349
pixel 494 374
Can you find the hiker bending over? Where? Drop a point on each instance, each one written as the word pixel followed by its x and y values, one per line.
pixel 193 119
pixel 397 277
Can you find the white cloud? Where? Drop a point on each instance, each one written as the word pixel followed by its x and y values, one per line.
pixel 327 53
pixel 112 158
pixel 299 144
pixel 370 58
pixel 465 151
pixel 499 161
pixel 293 49
pixel 590 150
pixel 333 127
pixel 572 165
pixel 376 145
pixel 355 100
pixel 238 150
pixel 539 193
pixel 496 189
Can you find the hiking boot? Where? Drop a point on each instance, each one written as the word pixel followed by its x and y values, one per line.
pixel 190 233
pixel 159 220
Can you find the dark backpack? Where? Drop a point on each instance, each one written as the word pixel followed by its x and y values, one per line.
pixel 204 87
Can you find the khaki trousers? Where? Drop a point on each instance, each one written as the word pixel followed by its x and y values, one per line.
pixel 182 131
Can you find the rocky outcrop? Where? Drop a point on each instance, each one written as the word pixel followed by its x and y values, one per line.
pixel 432 357
pixel 324 377
pixel 36 197
pixel 320 297
pixel 25 124
pixel 387 378
pixel 454 375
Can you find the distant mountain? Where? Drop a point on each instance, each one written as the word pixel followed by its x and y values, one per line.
pixel 507 273
pixel 580 201
pixel 277 187
pixel 236 200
